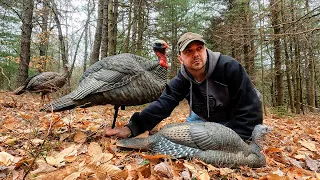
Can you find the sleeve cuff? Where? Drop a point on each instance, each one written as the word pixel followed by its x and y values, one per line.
pixel 134 126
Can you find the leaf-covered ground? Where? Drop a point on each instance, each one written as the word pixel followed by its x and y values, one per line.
pixel 71 145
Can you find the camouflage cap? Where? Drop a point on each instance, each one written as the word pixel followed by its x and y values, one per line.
pixel 187 38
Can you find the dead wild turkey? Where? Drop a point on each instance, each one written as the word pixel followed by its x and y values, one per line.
pixel 44 83
pixel 121 80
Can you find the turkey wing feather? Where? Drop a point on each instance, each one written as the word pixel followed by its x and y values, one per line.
pixel 42 78
pixel 103 80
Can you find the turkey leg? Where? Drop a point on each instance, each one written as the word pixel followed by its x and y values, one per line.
pixel 116 109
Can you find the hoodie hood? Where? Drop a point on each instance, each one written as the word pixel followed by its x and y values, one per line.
pixel 212 60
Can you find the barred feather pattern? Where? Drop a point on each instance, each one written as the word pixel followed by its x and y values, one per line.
pixel 123 79
pixel 211 142
pixel 165 146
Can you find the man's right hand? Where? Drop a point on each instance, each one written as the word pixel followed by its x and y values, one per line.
pixel 123 132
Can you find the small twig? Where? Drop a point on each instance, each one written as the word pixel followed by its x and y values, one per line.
pixel 40 148
pixel 9 82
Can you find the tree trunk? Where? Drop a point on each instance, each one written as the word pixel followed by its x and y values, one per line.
pixel 141 26
pixel 135 26
pixel 127 41
pixel 274 5
pixel 105 30
pixel 75 53
pixel 86 38
pixel 43 47
pixel 294 48
pixel 61 39
pixel 287 62
pixel 115 29
pixel 298 77
pixel 261 60
pixel 310 66
pixel 248 43
pixel 315 87
pixel 26 31
pixel 175 51
pixel 94 57
pixel 112 26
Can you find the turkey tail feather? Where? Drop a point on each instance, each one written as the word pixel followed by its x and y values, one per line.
pixel 63 103
pixel 19 90
pixel 135 143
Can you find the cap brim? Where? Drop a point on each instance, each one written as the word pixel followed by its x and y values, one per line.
pixel 188 42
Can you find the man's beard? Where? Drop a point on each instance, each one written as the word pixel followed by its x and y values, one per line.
pixel 198 67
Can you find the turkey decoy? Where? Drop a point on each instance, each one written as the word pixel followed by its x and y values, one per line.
pixel 44 83
pixel 121 80
pixel 211 142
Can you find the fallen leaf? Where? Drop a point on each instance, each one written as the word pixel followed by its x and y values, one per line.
pixel 290 121
pixel 191 168
pixel 110 169
pixel 61 173
pixel 309 145
pixel 153 157
pixel 17 175
pixel 225 171
pixel 70 158
pixel 53 161
pixel 239 177
pixel 80 137
pixel 59 159
pixel 298 173
pixel 278 172
pixel 63 137
pixel 22 161
pixel 6 159
pixel 73 176
pixel 276 177
pixel 163 169
pixel 296 163
pixel 300 157
pixel 313 165
pixel 36 142
pixel 83 149
pixel 144 170
pixel 43 167
pixel 101 158
pixel 293 174
pixel 272 150
pixel 94 148
pixel 203 175
pixel 185 174
pixel 10 141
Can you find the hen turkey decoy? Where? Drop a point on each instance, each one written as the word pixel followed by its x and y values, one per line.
pixel 121 80
pixel 44 83
pixel 211 142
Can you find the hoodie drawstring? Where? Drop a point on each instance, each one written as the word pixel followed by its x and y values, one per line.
pixel 190 98
pixel 208 98
pixel 207 89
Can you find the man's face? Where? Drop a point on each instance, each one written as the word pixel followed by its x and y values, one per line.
pixel 194 56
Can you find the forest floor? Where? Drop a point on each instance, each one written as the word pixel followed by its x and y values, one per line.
pixel 71 145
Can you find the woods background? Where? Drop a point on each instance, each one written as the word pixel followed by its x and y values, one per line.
pixel 277 41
